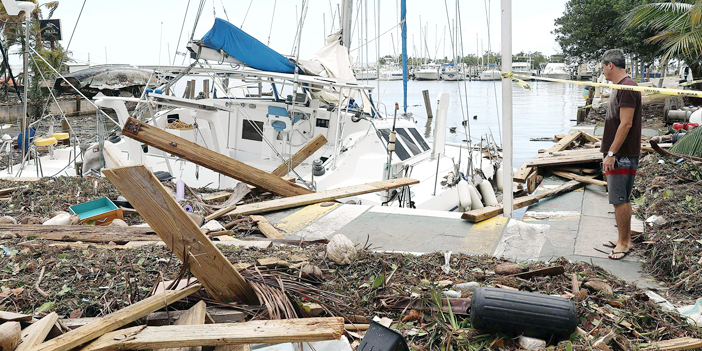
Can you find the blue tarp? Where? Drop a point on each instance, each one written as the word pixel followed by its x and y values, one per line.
pixel 245 48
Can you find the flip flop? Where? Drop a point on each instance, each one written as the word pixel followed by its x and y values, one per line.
pixel 619 252
pixel 609 244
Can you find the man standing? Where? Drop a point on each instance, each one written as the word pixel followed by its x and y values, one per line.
pixel 621 147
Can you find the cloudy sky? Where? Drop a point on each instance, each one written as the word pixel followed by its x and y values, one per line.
pixel 147 31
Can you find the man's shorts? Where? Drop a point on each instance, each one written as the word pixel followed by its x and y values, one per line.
pixel 620 180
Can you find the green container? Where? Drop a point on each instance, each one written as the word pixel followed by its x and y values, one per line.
pixel 93 208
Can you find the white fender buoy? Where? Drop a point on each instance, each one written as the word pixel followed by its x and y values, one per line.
pixel 499 178
pixel 59 219
pixel 474 197
pixel 488 193
pixel 464 198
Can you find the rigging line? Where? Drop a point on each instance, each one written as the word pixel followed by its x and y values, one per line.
pixel 200 8
pixel 494 85
pixel 225 10
pixel 246 15
pixel 376 38
pixel 9 68
pixel 466 127
pixel 182 26
pixel 272 18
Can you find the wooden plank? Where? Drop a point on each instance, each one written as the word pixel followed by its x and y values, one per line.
pixel 567 157
pixel 590 138
pixel 685 343
pixel 578 170
pixel 565 141
pixel 266 227
pixel 184 238
pixel 532 182
pixel 219 315
pixel 302 200
pixel 35 334
pixel 310 148
pixel 488 212
pixel 218 196
pixel 541 272
pixel 194 316
pixel 84 233
pixel 115 320
pixel 10 335
pixel 254 332
pixel 228 242
pixel 572 176
pixel 210 159
pixel 14 317
pixel 521 175
pixel 7 191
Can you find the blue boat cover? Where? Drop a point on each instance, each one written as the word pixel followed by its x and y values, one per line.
pixel 245 48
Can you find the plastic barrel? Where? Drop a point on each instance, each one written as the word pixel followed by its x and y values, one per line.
pixel 517 312
pixel 380 338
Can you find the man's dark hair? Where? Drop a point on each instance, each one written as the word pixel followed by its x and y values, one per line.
pixel 614 56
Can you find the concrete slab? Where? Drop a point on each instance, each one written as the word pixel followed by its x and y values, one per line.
pixel 596 204
pixel 305 216
pixel 521 241
pixel 326 226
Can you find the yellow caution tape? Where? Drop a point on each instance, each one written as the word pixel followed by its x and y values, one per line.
pixel 690 82
pixel 521 83
pixel 665 91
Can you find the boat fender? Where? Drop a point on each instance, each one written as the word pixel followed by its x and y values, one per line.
pixel 488 193
pixel 464 198
pixel 499 178
pixel 474 197
pixel 59 219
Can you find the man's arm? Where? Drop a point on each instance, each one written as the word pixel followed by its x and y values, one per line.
pixel 626 120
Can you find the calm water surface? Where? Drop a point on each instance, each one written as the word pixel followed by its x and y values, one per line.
pixel 544 111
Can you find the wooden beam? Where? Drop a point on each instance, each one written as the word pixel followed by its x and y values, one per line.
pixel 219 315
pixel 685 343
pixel 194 316
pixel 566 157
pixel 521 175
pixel 578 170
pixel 488 212
pixel 302 200
pixel 310 148
pixel 184 238
pixel 10 335
pixel 35 334
pixel 7 191
pixel 254 332
pixel 590 138
pixel 565 141
pixel 579 178
pixel 210 159
pixel 115 320
pixel 84 233
pixel 14 317
pixel 266 227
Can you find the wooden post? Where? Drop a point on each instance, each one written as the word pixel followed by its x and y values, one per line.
pixel 192 89
pixel 427 103
pixel 183 237
pixel 307 151
pixel 207 158
pixel 84 233
pixel 35 334
pixel 206 88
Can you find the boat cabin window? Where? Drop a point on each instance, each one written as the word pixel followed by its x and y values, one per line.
pixel 408 141
pixel 173 117
pixel 400 150
pixel 419 139
pixel 250 132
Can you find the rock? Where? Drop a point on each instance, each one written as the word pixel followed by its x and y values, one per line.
pixel 32 220
pixel 7 235
pixel 528 343
pixel 445 282
pixel 341 250
pixel 659 220
pixel 311 271
pixel 7 220
pixel 508 268
pixel 118 223
pixel 599 285
pixel 467 287
pixel 451 294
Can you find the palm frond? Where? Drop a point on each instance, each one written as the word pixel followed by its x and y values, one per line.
pixel 657 15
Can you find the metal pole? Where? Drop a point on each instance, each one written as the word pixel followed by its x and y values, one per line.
pixel 403 24
pixel 507 195
pixel 25 137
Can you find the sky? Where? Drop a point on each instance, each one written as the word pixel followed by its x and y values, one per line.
pixel 146 32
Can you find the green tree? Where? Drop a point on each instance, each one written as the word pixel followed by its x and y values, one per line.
pixel 676 28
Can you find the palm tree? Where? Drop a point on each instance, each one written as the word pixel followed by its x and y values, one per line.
pixel 678 28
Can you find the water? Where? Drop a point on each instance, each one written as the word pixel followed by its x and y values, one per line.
pixel 548 109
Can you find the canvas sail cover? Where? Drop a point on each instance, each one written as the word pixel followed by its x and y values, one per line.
pixel 245 48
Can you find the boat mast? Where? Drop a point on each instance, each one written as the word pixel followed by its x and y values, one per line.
pixel 403 24
pixel 345 18
pixel 507 195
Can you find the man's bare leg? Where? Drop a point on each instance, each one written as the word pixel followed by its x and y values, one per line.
pixel 622 212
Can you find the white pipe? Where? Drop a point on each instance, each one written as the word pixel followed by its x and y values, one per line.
pixel 440 124
pixel 507 195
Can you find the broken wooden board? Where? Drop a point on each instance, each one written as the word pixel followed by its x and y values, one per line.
pixel 567 157
pixel 521 175
pixel 637 225
pixel 311 147
pixel 84 233
pixel 302 200
pixel 218 315
pixel 254 332
pixel 210 159
pixel 184 238
pixel 36 333
pixel 579 178
pixel 194 316
pixel 266 227
pixel 578 170
pixel 229 242
pixel 565 141
pixel 541 272
pixel 533 181
pixel 115 320
pixel 14 317
pixel 10 335
pixel 488 212
pixel 685 343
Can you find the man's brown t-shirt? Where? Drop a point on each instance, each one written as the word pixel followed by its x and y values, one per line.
pixel 623 98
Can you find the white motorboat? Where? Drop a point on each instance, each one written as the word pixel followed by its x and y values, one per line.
pixel 490 74
pixel 365 73
pixel 391 72
pixel 452 73
pixel 429 71
pixel 523 68
pixel 556 70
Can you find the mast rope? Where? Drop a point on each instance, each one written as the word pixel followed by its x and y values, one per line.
pixel 182 26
